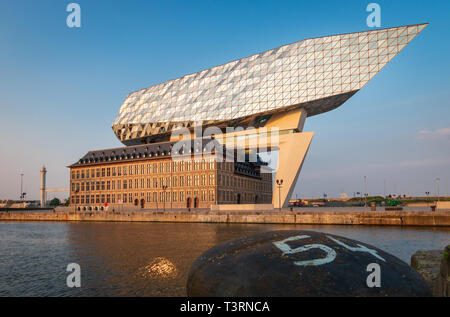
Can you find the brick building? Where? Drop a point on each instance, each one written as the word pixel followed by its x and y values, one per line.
pixel 146 176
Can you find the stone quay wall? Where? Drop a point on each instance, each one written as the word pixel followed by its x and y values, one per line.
pixel 395 218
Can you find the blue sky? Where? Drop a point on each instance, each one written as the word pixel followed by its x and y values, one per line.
pixel 61 88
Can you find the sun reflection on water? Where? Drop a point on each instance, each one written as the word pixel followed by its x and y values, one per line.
pixel 159 268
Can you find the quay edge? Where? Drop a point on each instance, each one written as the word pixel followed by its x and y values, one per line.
pixel 383 218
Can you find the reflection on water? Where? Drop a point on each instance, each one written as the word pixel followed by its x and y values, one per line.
pixel 149 259
pixel 159 268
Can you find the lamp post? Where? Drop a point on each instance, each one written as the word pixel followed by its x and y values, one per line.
pixel 279 183
pixel 164 187
pixel 365 191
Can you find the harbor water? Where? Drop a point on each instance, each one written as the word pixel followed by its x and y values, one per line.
pixel 150 259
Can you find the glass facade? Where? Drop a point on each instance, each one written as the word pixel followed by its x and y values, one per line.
pixel 317 74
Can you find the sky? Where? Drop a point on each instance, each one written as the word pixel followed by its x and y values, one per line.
pixel 61 88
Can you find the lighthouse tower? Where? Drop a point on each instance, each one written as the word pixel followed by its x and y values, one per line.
pixel 43 190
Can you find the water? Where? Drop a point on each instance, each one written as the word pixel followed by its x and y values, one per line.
pixel 148 259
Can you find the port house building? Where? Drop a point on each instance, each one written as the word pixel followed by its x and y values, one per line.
pixel 278 88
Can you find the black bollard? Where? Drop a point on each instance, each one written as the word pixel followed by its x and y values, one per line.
pixel 301 263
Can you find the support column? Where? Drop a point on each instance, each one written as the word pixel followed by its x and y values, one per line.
pixel 292 151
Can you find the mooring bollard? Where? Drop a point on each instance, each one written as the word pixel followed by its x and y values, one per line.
pixel 301 263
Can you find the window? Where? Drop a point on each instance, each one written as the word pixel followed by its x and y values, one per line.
pixel 188 180
pixel 108 171
pixel 181 196
pixel 103 172
pixel 174 181
pixel 195 180
pixel 203 180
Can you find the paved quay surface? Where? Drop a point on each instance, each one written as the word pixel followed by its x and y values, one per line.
pixel 361 217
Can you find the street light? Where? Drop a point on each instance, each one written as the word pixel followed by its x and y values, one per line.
pixel 279 183
pixel 365 191
pixel 164 187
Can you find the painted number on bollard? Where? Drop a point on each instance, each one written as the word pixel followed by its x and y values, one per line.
pixel 331 254
pixel 360 248
pixel 286 249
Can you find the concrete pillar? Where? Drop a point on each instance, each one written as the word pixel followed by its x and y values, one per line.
pixel 43 188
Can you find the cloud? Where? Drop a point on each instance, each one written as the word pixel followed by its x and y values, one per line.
pixel 433 135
